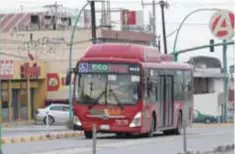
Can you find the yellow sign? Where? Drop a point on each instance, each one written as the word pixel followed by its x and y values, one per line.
pixel 113 111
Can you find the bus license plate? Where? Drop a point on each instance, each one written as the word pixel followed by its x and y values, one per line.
pixel 104 127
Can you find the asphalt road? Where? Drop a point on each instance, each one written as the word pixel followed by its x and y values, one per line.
pixel 201 139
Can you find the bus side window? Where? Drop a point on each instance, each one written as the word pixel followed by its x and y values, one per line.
pixel 179 85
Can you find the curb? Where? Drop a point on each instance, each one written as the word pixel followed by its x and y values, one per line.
pixel 14 123
pixel 214 125
pixel 45 137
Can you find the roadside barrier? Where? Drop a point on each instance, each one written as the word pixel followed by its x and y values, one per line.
pixel 49 136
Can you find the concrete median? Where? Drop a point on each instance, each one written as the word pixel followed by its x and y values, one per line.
pixel 48 136
pixel 214 125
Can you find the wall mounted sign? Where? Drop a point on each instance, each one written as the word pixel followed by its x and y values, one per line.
pixel 31 71
pixel 7 70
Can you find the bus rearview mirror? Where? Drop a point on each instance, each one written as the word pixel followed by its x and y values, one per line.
pixel 68 78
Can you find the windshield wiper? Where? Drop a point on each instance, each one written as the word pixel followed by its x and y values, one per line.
pixel 117 100
pixel 95 101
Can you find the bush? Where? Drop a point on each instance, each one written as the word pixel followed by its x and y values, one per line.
pixel 69 124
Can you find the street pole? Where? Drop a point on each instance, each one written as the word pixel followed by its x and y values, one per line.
pixel 0 95
pixel 70 58
pixel 163 4
pixel 181 24
pixel 184 136
pixel 153 19
pixel 93 22
pixel 225 79
pixel 154 23
pixel 94 138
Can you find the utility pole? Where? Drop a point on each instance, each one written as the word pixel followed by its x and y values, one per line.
pixel 54 9
pixel 162 4
pixel 153 19
pixel 93 21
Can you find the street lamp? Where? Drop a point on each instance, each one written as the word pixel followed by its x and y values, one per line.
pixel 181 24
pixel 70 56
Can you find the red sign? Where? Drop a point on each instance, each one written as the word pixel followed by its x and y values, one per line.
pixel 222 24
pixel 53 82
pixel 33 71
pixel 128 17
pixel 6 71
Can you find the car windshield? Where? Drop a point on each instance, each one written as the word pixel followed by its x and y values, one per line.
pixel 108 88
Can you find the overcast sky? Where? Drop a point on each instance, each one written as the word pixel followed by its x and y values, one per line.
pixel 194 33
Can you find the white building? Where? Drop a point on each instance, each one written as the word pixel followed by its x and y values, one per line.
pixel 208 86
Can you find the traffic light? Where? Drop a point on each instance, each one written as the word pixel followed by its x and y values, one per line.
pixel 212 45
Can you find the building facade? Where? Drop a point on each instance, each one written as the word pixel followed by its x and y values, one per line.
pixel 23 86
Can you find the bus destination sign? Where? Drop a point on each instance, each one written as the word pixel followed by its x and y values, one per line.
pixel 107 68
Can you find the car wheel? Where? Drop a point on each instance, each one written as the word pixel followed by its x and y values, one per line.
pixel 207 120
pixel 51 120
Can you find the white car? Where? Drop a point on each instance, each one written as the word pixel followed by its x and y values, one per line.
pixel 57 113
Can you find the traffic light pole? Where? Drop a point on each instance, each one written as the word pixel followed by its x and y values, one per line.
pixel 70 57
pixel 225 80
pixel 181 24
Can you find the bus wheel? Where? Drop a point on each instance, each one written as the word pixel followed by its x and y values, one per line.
pixel 88 134
pixel 152 127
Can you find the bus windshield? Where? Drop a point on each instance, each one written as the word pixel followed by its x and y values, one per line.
pixel 115 89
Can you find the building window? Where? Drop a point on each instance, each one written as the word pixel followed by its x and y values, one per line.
pixel 187 81
pixel 201 85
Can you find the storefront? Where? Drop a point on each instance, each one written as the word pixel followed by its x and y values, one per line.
pixel 24 88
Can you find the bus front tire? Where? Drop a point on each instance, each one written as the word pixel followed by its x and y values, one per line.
pixel 88 134
pixel 152 127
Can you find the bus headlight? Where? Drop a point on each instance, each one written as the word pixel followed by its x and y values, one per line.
pixel 76 121
pixel 136 122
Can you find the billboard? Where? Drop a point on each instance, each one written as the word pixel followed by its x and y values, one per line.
pixel 132 20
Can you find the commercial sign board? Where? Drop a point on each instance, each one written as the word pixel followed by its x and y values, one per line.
pixel 222 24
pixel 31 71
pixel 7 69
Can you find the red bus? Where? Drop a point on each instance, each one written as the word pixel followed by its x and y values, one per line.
pixel 131 89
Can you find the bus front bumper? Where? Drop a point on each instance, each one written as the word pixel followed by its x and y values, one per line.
pixel 105 128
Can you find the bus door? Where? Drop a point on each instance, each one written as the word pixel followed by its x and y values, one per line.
pixel 169 101
pixel 162 100
pixel 166 100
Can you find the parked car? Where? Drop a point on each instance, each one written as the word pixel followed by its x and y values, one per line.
pixel 203 118
pixel 57 113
